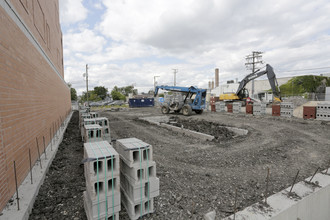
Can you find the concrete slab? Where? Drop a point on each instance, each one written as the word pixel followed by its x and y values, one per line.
pixel 28 192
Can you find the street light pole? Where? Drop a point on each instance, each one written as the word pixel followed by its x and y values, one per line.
pixel 175 71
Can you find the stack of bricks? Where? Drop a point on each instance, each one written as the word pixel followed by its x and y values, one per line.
pixel 212 103
pixel 309 112
pixel 139 184
pixel 237 106
pixel 323 111
pixel 287 109
pixel 101 168
pixel 259 108
pixel 276 110
pixel 230 108
pixel 249 109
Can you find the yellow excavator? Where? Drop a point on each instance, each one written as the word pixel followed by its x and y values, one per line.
pixel 242 93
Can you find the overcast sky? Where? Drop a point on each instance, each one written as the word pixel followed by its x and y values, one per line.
pixel 129 42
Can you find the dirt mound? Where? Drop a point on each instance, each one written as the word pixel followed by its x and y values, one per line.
pixel 206 127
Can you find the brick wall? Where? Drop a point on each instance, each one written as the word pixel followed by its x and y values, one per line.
pixel 33 98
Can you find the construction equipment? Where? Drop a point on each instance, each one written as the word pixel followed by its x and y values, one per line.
pixel 242 94
pixel 193 99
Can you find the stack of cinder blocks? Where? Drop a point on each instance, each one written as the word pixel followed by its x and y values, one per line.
pixel 220 106
pixel 259 108
pixel 139 184
pixel 287 109
pixel 237 107
pixel 102 195
pixel 323 111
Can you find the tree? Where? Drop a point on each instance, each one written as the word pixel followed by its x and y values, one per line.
pixel 116 95
pixel 73 92
pixel 101 91
pixel 91 97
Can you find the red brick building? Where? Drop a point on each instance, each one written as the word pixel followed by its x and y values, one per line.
pixel 34 97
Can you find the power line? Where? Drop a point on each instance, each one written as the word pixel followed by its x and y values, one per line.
pixel 252 60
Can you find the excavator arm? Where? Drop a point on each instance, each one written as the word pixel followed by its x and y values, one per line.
pixel 271 78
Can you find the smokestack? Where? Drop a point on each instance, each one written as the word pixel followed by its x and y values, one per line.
pixel 216 77
pixel 212 84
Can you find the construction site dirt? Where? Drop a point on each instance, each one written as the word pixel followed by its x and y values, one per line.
pixel 196 176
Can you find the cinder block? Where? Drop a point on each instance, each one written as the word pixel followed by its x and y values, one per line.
pixel 138 172
pixel 287 105
pixel 323 116
pixel 94 114
pixel 97 210
pixel 143 189
pixel 259 108
pixel 309 112
pixel 102 157
pixel 132 150
pixel 103 187
pixel 323 108
pixel 237 106
pixel 92 133
pixel 137 210
pixel 287 113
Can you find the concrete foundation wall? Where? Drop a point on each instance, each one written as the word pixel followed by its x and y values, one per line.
pixel 34 99
pixel 309 201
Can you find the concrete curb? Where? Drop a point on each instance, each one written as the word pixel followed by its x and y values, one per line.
pixel 28 192
pixel 191 133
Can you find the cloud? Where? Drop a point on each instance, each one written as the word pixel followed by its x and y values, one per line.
pixel 132 41
pixel 83 41
pixel 72 11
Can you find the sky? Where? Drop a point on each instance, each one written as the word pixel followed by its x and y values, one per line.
pixel 128 42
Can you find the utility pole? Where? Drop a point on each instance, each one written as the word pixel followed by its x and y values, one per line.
pixel 175 71
pixel 252 60
pixel 155 82
pixel 86 75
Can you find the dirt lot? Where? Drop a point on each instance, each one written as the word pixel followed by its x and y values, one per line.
pixel 196 176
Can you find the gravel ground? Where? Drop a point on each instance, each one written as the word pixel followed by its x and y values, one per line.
pixel 195 176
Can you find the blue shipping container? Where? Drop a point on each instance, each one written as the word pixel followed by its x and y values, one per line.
pixel 147 102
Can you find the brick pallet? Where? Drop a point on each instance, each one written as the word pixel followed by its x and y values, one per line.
pixel 230 108
pixel 323 111
pixel 101 168
pixel 249 109
pixel 287 109
pixel 259 108
pixel 237 106
pixel 139 184
pixel 276 110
